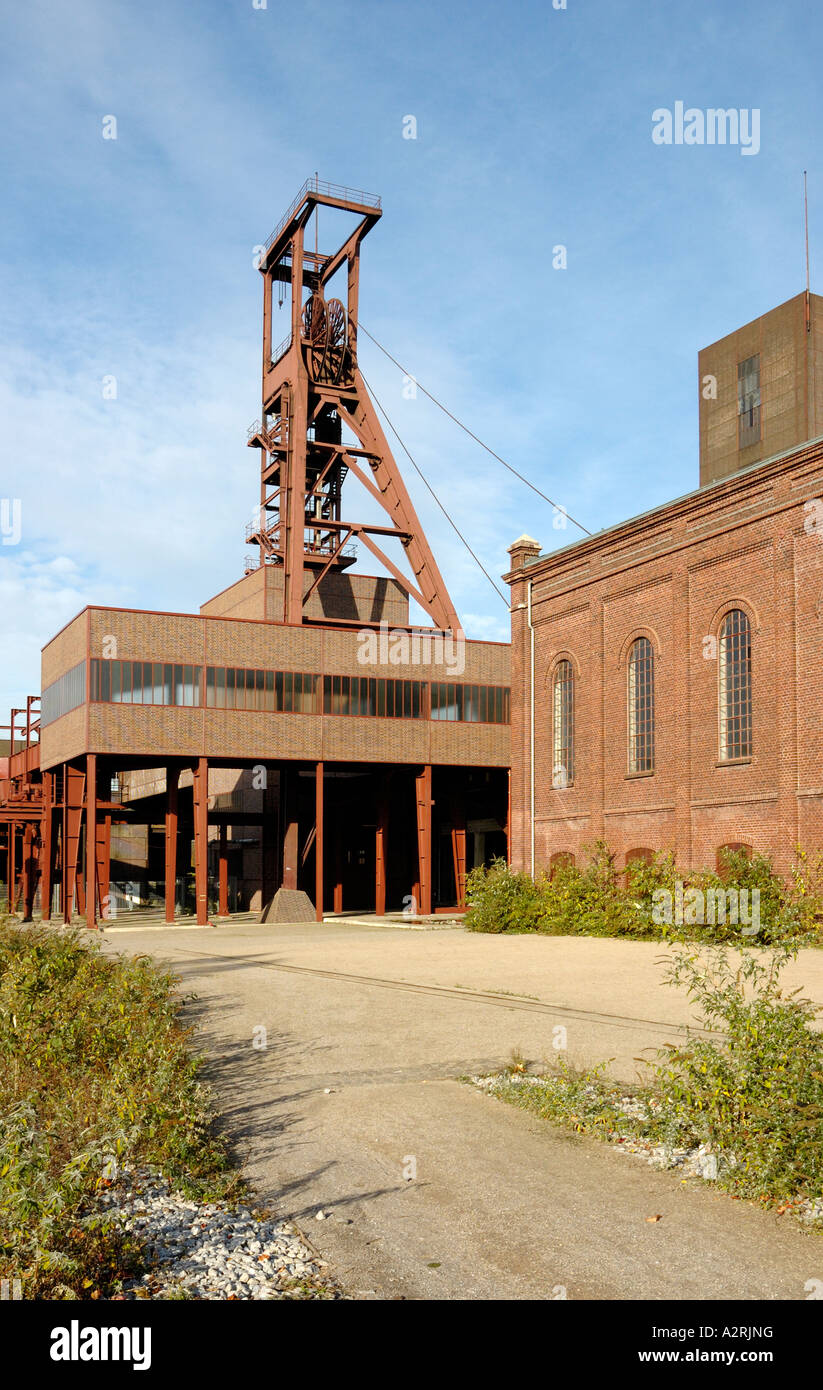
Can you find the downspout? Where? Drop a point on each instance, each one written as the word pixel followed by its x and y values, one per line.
pixel 531 723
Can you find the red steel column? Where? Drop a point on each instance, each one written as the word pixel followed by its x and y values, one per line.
pixel 47 847
pixel 201 840
pixel 91 841
pixel 223 891
pixel 290 826
pixel 458 820
pixel 172 779
pixel 423 783
pixel 13 866
pixel 337 900
pixel 380 837
pixel 103 850
pixel 318 841
pixel 28 870
pixel 74 781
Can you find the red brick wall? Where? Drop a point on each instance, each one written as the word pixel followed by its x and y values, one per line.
pixel 750 542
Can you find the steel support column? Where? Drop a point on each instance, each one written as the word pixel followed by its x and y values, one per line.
pixel 223 875
pixel 172 780
pixel 380 845
pixel 28 876
pixel 47 847
pixel 337 898
pixel 74 784
pixel 13 866
pixel 103 851
pixel 318 841
pixel 289 825
pixel 91 841
pixel 423 786
pixel 458 820
pixel 201 840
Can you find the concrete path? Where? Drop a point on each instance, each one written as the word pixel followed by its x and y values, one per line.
pixel 367 1029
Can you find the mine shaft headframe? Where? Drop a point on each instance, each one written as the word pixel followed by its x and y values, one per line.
pixel 312 388
pixel 328 326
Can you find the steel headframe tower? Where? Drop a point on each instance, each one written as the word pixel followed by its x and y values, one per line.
pixel 312 388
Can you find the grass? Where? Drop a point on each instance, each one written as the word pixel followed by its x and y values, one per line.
pixel 750 1087
pixel 95 1067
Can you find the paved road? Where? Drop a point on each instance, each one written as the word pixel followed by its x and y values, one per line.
pixel 367 1029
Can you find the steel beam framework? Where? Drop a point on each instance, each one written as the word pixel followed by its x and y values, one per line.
pixel 312 390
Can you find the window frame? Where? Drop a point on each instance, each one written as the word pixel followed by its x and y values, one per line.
pixel 633 728
pixel 724 759
pixel 563 750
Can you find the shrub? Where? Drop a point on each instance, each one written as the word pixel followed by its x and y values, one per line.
pixel 596 899
pixel 748 1085
pixel 499 900
pixel 95 1068
pixel 755 1092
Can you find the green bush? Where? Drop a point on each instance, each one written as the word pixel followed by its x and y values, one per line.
pixel 754 1092
pixel 499 900
pixel 596 899
pixel 95 1068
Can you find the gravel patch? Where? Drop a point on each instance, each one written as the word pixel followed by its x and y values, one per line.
pixel 211 1250
pixel 700 1161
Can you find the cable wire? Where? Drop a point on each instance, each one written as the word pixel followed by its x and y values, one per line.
pixel 472 435
pixel 422 476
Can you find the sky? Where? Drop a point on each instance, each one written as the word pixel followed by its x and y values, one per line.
pixel 130 305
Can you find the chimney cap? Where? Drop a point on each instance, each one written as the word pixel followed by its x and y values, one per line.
pixel 524 542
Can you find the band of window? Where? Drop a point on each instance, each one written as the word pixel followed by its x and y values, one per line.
pixel 238 688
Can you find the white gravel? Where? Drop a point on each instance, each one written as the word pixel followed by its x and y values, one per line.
pixel 210 1250
pixel 700 1161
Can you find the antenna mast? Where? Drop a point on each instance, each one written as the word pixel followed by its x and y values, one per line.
pixel 808 284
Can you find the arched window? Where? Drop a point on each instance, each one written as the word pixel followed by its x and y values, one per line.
pixel 641 706
pixel 563 726
pixel 735 686
pixel 723 852
pixel 563 859
pixel 643 856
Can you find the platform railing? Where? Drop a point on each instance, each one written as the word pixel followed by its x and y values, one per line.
pixel 330 190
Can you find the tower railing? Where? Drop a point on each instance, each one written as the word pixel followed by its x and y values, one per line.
pixel 330 190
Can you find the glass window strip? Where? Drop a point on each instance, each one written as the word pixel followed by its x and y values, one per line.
pixel 227 687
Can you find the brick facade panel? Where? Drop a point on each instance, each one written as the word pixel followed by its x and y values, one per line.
pixel 748 542
pixel 63 651
pixel 64 739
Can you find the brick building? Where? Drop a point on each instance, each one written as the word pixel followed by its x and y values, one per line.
pixel 667 672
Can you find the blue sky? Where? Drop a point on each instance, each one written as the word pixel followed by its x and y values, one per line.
pixel 133 258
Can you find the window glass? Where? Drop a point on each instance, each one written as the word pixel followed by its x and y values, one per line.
pixel 735 686
pixel 641 706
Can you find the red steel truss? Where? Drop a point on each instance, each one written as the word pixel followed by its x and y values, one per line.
pixel 312 391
